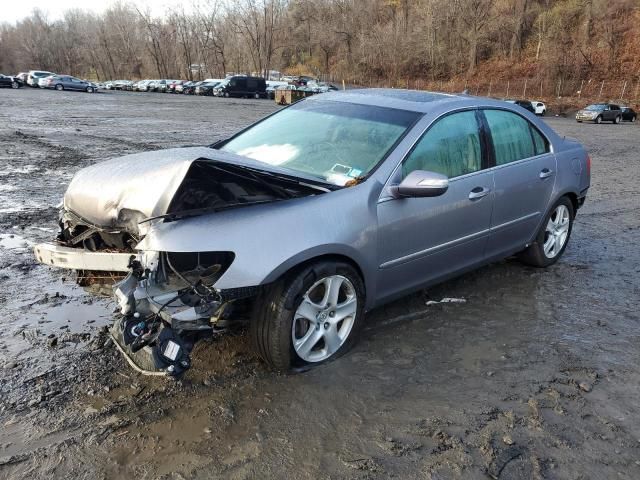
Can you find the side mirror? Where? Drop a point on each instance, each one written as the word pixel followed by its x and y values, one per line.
pixel 420 183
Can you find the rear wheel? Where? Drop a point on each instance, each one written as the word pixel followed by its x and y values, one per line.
pixel 256 95
pixel 59 87
pixel 89 89
pixel 633 119
pixel 311 317
pixel 553 237
pixel 617 120
pixel 599 120
pixel 226 94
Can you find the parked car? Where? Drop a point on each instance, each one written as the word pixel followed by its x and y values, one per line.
pixel 241 86
pixel 171 87
pixel 324 88
pixel 42 82
pixel 386 192
pixel 629 114
pixel 143 85
pixel 190 89
pixel 600 112
pixel 540 108
pixel 303 80
pixel 67 82
pixel 163 85
pixel 34 75
pixel 157 85
pixel 22 76
pixel 7 81
pixel 526 104
pixel 179 88
pixel 206 88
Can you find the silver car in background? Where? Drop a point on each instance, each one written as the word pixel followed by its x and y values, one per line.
pixel 300 231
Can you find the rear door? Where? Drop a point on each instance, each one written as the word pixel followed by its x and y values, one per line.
pixel 422 240
pixel 524 174
pixel 252 86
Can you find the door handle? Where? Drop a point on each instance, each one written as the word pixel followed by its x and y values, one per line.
pixel 478 192
pixel 545 173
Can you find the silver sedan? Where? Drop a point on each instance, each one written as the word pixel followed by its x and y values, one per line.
pixel 304 221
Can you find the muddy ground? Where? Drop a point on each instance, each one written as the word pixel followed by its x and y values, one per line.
pixel 536 375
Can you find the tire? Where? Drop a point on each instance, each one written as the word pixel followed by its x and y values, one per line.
pixel 89 90
pixel 256 96
pixel 579 121
pixel 599 120
pixel 276 321
pixel 544 112
pixel 633 119
pixel 536 254
pixel 616 121
pixel 59 87
pixel 15 85
pixel 226 94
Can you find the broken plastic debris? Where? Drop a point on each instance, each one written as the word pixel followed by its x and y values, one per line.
pixel 447 300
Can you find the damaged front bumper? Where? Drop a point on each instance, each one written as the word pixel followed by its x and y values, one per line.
pixel 79 259
pixel 167 301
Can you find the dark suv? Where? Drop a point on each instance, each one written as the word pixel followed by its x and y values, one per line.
pixel 600 112
pixel 240 86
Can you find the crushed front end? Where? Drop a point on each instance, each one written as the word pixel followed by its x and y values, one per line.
pixel 168 302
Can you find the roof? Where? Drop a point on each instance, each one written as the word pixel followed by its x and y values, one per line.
pixel 413 100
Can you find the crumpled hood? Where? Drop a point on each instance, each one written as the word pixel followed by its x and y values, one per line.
pixel 130 188
pixel 123 191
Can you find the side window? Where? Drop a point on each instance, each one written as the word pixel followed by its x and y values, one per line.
pixel 451 147
pixel 539 141
pixel 511 135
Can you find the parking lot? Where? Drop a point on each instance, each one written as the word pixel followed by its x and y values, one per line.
pixel 526 374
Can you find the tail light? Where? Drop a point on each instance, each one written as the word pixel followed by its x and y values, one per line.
pixel 588 165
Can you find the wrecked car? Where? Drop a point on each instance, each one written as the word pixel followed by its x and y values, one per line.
pixel 300 231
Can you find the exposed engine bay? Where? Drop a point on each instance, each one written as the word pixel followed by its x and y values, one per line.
pixel 168 300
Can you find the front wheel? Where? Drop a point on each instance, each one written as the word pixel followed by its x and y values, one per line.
pixel 617 120
pixel 89 89
pixel 15 85
pixel 599 120
pixel 314 315
pixel 553 237
pixel 633 119
pixel 59 87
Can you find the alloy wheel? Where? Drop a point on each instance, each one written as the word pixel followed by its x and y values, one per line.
pixel 556 231
pixel 323 321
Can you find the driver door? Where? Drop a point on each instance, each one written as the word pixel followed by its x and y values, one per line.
pixel 424 240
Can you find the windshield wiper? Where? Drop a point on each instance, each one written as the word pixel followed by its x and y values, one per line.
pixel 192 212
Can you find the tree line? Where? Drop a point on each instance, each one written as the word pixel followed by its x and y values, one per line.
pixel 360 41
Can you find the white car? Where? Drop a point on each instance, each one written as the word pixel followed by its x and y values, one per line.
pixel 35 75
pixel 43 82
pixel 539 107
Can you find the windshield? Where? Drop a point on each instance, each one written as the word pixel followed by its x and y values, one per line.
pixel 595 108
pixel 333 141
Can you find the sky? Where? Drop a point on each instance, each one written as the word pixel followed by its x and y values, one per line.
pixel 14 10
